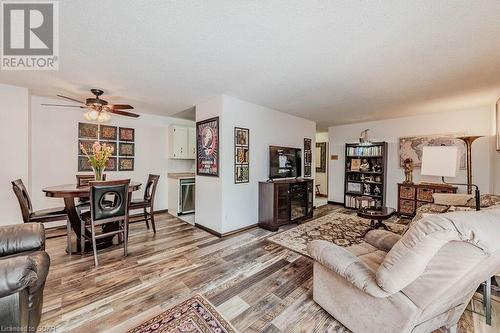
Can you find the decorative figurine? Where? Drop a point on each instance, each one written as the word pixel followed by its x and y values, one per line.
pixel 367 189
pixel 365 166
pixel 377 167
pixel 363 137
pixel 378 179
pixel 408 168
pixel 376 190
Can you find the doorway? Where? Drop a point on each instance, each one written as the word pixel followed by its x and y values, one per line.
pixel 321 163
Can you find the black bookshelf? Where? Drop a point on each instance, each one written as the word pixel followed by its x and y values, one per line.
pixel 370 181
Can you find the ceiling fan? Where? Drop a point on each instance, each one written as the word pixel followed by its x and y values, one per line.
pixel 98 109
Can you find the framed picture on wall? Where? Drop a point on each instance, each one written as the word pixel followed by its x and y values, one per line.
pixel 307 157
pixel 241 155
pixel 84 164
pixel 126 149
pixel 88 131
pixel 108 132
pixel 112 164
pixel 125 164
pixel 207 147
pixel 126 134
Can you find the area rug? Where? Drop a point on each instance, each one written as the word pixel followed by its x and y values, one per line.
pixel 337 227
pixel 195 315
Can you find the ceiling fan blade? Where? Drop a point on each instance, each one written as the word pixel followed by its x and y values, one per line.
pixel 71 99
pixel 68 106
pixel 123 113
pixel 120 106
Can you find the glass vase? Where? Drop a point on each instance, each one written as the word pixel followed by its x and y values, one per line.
pixel 98 172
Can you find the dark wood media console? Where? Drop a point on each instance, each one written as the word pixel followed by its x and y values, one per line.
pixel 285 201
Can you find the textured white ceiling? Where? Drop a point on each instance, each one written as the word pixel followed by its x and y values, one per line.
pixel 330 61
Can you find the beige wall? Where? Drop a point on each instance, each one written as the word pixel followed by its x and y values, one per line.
pixel 473 121
pixel 221 204
pixel 14 138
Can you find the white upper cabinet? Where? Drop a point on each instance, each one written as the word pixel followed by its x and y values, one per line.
pixel 191 143
pixel 182 141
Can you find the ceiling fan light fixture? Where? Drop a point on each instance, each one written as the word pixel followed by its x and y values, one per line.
pixel 91 115
pixel 103 117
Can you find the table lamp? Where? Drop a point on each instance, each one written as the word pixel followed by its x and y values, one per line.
pixel 444 161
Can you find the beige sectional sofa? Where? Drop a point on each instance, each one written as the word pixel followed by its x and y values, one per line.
pixel 417 282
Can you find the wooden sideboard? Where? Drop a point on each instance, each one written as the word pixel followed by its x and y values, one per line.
pixel 412 196
pixel 285 201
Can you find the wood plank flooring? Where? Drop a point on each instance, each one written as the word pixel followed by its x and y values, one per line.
pixel 256 285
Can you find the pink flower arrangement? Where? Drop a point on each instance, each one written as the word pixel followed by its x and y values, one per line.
pixel 99 158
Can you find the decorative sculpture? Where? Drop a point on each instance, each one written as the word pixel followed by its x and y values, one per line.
pixel 408 168
pixel 365 165
pixel 363 137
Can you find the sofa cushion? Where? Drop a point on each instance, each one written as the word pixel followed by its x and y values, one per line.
pixel 487 200
pixel 452 199
pixel 409 257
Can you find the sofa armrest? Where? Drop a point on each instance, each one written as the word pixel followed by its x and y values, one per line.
pixel 16 273
pixel 346 265
pixel 19 238
pixel 382 239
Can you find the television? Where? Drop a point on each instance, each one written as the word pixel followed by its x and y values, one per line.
pixel 284 162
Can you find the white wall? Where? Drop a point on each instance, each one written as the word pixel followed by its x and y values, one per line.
pixel 14 138
pixel 54 148
pixel 208 194
pixel 475 121
pixel 322 177
pixel 233 206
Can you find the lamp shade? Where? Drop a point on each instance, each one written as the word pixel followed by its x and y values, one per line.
pixel 440 161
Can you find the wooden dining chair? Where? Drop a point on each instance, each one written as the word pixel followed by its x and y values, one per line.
pixel 83 181
pixel 102 213
pixel 40 216
pixel 148 201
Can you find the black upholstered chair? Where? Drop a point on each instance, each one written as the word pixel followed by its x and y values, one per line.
pixel 147 202
pixel 102 212
pixel 24 266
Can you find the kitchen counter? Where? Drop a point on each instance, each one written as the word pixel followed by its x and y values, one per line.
pixel 180 175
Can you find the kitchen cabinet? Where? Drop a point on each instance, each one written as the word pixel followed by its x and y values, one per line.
pixel 182 142
pixel 191 143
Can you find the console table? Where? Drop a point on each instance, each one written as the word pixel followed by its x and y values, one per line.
pixel 284 201
pixel 412 196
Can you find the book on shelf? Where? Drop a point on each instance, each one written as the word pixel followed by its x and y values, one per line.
pixel 364 151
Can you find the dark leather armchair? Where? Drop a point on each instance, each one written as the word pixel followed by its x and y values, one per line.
pixel 24 266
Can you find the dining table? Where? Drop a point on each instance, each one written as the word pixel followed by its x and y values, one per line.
pixel 70 192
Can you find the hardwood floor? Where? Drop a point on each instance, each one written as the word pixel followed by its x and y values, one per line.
pixel 256 285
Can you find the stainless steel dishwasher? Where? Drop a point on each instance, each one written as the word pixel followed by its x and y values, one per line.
pixel 186 195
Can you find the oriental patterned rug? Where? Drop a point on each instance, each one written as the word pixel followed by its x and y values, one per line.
pixel 195 315
pixel 343 228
